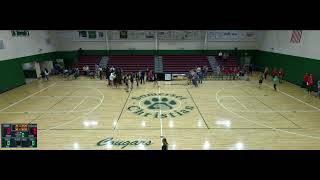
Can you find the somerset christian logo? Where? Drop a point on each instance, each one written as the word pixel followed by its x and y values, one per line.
pixel 162 105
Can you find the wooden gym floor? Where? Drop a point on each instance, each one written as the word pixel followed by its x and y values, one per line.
pixel 227 115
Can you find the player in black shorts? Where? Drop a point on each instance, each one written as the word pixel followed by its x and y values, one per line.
pixel 125 80
pixel 260 80
pixel 131 80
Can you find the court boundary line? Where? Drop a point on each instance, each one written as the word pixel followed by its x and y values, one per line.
pixel 93 109
pixel 27 97
pixel 260 124
pixel 271 108
pixel 198 109
pixel 60 100
pixel 155 129
pixel 294 98
pixel 264 111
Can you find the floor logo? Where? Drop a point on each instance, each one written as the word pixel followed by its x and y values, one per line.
pixel 123 144
pixel 160 105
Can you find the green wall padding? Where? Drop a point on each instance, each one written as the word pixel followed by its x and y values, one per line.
pixel 294 67
pixel 30 73
pixel 11 75
pixel 11 72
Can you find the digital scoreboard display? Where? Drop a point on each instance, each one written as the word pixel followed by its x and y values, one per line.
pixel 19 135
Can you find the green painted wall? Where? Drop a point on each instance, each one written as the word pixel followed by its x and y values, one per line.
pixel 11 72
pixel 11 75
pixel 294 67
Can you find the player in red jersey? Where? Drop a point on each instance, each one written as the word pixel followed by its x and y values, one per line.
pixel 280 75
pixel 310 83
pixel 275 73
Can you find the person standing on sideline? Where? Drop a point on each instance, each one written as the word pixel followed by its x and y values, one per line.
pixel 309 84
pixel 131 80
pixel 260 80
pixel 266 72
pixel 111 78
pixel 46 74
pixel 275 72
pixel 305 80
pixel 164 144
pixel 155 80
pixel 125 80
pixel 275 82
pixel 137 78
pixel 142 77
pixel 319 88
pixel 280 75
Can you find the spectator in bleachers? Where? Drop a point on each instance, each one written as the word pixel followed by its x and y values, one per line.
pixel 218 69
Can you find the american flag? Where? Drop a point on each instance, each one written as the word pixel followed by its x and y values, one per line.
pixel 296 36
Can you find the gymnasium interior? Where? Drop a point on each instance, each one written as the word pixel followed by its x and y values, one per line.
pixel 200 89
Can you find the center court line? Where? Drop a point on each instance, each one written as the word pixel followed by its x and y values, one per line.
pixel 161 132
pixel 260 124
pixel 27 97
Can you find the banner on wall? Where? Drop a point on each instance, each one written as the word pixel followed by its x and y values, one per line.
pixel 92 34
pixel 87 36
pixel 226 35
pixel 20 33
pixel 123 34
pixel 179 35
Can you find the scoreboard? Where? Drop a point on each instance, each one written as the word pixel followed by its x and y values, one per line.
pixel 19 135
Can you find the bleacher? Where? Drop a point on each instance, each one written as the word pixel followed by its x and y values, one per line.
pixel 131 63
pixel 90 61
pixel 183 64
pixel 228 63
